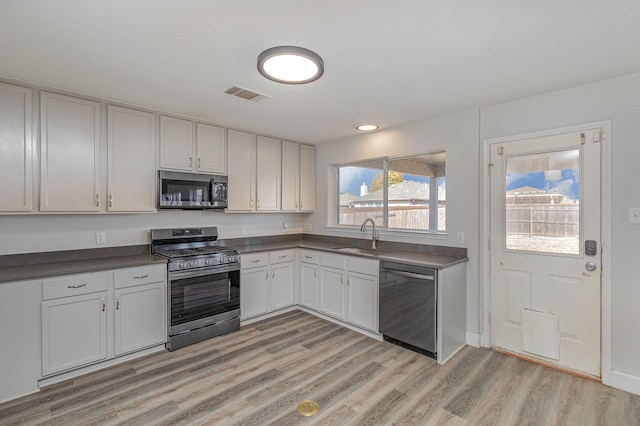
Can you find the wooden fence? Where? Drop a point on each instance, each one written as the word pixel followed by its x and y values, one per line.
pixel 400 217
pixel 543 220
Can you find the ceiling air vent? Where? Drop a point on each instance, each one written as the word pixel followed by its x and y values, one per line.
pixel 244 93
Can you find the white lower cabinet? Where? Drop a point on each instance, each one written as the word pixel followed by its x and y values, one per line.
pixel 88 318
pixel 266 283
pixel 349 289
pixel 309 278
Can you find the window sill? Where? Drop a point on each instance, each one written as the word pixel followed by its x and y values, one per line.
pixel 437 235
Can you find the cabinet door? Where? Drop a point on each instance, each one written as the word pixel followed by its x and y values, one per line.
pixel 70 154
pixel 241 160
pixel 332 292
pixel 131 145
pixel 254 292
pixel 211 149
pixel 307 178
pixel 282 294
pixel 309 286
pixel 268 171
pixel 140 317
pixel 16 148
pixel 290 176
pixel 74 332
pixel 176 144
pixel 362 296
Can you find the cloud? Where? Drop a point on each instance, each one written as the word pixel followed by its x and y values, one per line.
pixel 350 176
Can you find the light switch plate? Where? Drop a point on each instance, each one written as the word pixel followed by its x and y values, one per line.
pixel 634 215
pixel 460 237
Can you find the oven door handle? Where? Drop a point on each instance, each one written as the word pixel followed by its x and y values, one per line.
pixel 203 271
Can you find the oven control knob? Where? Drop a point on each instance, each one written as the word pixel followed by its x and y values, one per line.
pixel 224 260
pixel 231 259
pixel 182 265
pixel 193 263
pixel 207 261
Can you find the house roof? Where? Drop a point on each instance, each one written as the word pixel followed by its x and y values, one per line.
pixel 403 191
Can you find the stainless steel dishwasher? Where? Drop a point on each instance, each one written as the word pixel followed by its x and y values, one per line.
pixel 408 312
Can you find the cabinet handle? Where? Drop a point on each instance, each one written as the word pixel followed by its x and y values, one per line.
pixel 198 162
pixel 315 274
pixel 97 200
pixel 190 162
pixel 348 283
pixel 341 280
pixel 251 203
pixel 255 261
pixel 258 205
pixel 139 277
pixel 104 305
pixel 300 205
pixel 77 286
pixel 282 256
pixel 266 277
pixel 308 257
pixel 118 302
pixel 296 204
pixel 110 200
pixel 273 275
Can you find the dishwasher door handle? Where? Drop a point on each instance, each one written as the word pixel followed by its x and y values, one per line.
pixel 412 275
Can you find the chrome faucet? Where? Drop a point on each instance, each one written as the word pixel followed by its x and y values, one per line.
pixel 374 234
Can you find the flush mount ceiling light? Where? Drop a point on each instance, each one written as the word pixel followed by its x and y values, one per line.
pixel 367 127
pixel 290 65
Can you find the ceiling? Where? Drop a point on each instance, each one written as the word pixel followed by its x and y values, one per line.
pixel 386 62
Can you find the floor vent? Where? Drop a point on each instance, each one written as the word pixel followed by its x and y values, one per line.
pixel 244 93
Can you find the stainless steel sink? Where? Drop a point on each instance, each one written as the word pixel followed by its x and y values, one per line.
pixel 359 250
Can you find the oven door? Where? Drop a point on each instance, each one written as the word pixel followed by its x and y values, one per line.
pixel 203 297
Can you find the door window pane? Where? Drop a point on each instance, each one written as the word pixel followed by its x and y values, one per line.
pixel 542 202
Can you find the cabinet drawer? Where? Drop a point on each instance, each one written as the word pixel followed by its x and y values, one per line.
pixel 73 285
pixel 309 256
pixel 254 260
pixel 333 260
pixel 364 266
pixel 281 256
pixel 139 275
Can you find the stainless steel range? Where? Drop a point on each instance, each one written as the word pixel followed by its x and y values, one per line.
pixel 203 284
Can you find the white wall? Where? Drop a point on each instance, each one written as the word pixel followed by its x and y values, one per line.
pixel 617 100
pixel 36 233
pixel 462 133
pixel 457 133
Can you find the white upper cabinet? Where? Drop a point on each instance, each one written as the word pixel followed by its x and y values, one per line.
pixel 298 177
pixel 16 148
pixel 290 176
pixel 268 159
pixel 307 178
pixel 211 149
pixel 131 146
pixel 70 154
pixel 180 150
pixel 241 160
pixel 176 144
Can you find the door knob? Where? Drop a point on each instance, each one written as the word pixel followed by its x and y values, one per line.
pixel 591 266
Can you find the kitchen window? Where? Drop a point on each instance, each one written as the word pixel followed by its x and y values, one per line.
pixel 406 193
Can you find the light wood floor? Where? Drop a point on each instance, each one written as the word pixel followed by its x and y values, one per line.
pixel 258 375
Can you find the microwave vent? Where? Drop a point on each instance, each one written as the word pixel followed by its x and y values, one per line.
pixel 244 93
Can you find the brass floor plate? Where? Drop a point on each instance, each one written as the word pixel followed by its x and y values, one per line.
pixel 308 408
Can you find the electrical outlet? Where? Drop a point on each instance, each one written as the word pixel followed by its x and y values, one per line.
pixel 285 226
pixel 243 230
pixel 460 237
pixel 634 215
pixel 101 238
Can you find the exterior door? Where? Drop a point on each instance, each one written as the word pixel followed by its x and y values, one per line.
pixel 545 249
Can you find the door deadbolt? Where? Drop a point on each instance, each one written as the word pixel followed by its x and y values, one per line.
pixel 591 266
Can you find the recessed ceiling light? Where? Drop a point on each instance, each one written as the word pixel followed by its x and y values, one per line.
pixel 367 127
pixel 290 65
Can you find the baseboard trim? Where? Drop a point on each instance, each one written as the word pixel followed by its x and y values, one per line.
pixel 473 339
pixel 625 382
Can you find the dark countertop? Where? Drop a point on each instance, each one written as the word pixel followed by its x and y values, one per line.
pixel 33 266
pixel 411 257
pixel 43 270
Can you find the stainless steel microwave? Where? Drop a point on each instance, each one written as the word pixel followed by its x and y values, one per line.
pixel 191 191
